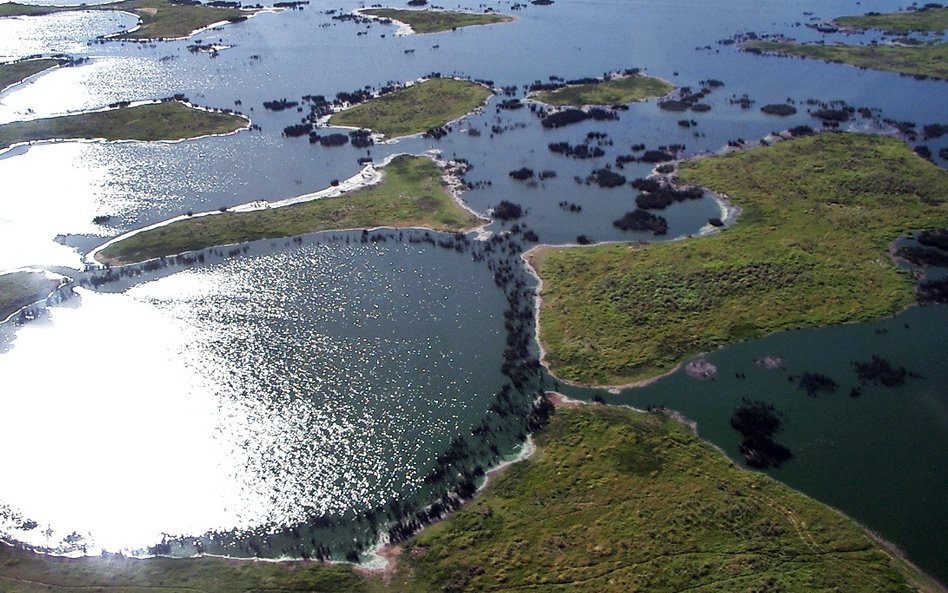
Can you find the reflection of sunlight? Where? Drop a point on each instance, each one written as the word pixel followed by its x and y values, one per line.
pixel 37 206
pixel 65 32
pixel 81 88
pixel 115 440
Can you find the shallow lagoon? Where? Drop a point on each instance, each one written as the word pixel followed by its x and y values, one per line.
pixel 294 53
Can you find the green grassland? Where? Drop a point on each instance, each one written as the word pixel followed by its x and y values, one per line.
pixel 612 501
pixel 170 120
pixel 412 110
pixel 622 501
pixel 928 60
pixel 925 19
pixel 160 19
pixel 25 572
pixel 611 92
pixel 411 194
pixel 810 249
pixel 436 21
pixel 14 72
pixel 19 289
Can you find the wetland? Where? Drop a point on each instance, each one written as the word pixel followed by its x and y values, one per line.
pixel 352 388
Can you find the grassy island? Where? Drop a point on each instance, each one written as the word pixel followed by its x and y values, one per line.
pixel 612 501
pixel 411 194
pixel 169 120
pixel 19 289
pixel 14 72
pixel 415 109
pixel 927 60
pixel 435 21
pixel 160 19
pixel 810 249
pixel 930 19
pixel 615 91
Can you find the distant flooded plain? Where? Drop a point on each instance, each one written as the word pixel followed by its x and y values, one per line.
pixel 251 393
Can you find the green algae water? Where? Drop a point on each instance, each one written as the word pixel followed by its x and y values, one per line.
pixel 881 457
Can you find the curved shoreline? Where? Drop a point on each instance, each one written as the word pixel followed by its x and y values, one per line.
pixel 404 29
pixel 62 62
pixel 531 96
pixel 380 137
pixel 366 177
pixel 101 140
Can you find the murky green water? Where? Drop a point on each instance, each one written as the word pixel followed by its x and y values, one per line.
pixel 880 457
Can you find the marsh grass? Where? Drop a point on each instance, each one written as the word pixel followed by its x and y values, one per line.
pixel 160 19
pixel 932 19
pixel 415 109
pixel 18 289
pixel 809 249
pixel 169 120
pixel 436 21
pixel 411 194
pixel 927 60
pixel 14 72
pixel 616 91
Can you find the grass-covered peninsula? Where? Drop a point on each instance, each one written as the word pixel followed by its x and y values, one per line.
pixel 168 120
pixel 411 194
pixel 160 19
pixel 18 289
pixel 615 91
pixel 435 21
pixel 417 108
pixel 931 19
pixel 14 72
pixel 612 501
pixel 810 249
pixel 927 60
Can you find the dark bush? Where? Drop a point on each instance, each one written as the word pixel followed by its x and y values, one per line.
pixel 507 211
pixel 781 109
pixel 641 220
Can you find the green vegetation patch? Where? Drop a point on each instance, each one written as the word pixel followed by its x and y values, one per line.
pixel 810 249
pixel 616 501
pixel 19 289
pixel 25 572
pixel 928 60
pixel 415 109
pixel 14 72
pixel 610 92
pixel 436 21
pixel 411 194
pixel 931 19
pixel 169 120
pixel 160 19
